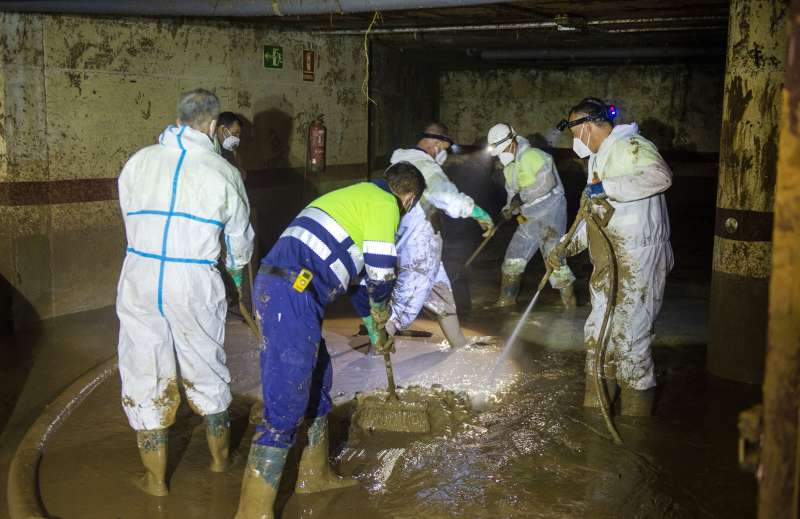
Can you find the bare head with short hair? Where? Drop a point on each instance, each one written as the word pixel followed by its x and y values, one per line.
pixel 436 128
pixel 199 109
pixel 406 182
pixel 434 138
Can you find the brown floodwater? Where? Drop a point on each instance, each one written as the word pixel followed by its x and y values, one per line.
pixel 532 453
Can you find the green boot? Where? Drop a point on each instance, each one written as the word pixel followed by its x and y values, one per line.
pixel 153 451
pixel 218 435
pixel 509 290
pixel 590 392
pixel 636 402
pixel 260 483
pixel 315 473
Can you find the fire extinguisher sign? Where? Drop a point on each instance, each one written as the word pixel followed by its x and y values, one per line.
pixel 309 59
pixel 273 56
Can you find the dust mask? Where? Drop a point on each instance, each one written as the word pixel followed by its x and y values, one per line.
pixel 578 146
pixel 506 158
pixel 441 157
pixel 231 142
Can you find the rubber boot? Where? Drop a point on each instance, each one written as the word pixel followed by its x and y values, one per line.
pixel 218 435
pixel 452 331
pixel 315 473
pixel 568 298
pixel 509 290
pixel 590 392
pixel 153 451
pixel 636 402
pixel 260 483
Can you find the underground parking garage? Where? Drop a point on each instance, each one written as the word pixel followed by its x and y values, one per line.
pixel 296 123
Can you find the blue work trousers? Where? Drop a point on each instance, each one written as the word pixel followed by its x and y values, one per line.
pixel 296 369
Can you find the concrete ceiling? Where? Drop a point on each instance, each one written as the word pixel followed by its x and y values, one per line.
pixel 463 37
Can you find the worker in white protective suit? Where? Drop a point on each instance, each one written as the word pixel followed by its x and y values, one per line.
pixel 536 197
pixel 176 197
pixel 628 170
pixel 422 280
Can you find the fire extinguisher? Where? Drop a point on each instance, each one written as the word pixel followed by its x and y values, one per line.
pixel 315 152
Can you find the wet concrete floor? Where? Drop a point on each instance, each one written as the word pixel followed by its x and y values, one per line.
pixel 533 453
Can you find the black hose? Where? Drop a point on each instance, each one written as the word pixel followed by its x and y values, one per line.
pixel 611 296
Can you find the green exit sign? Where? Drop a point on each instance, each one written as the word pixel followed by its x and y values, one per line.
pixel 273 56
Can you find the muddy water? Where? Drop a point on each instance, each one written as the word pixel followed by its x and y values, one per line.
pixel 534 453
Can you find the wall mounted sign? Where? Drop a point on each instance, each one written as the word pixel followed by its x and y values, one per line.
pixel 273 56
pixel 309 59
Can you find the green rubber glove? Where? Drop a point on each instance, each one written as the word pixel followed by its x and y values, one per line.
pixel 555 260
pixel 369 323
pixel 483 219
pixel 385 343
pixel 379 313
pixel 236 276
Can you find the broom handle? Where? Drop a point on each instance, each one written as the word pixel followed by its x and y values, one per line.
pixel 387 359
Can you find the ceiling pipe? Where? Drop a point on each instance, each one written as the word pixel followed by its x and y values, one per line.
pixel 442 28
pixel 565 25
pixel 229 8
pixel 599 54
pixel 684 28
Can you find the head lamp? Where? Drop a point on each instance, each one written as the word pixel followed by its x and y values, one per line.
pixel 436 136
pixel 610 113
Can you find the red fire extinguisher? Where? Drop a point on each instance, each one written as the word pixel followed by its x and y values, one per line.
pixel 315 153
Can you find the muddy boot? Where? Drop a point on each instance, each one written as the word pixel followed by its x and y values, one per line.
pixel 452 331
pixel 218 435
pixel 509 290
pixel 315 473
pixel 153 451
pixel 636 402
pixel 568 297
pixel 590 392
pixel 260 483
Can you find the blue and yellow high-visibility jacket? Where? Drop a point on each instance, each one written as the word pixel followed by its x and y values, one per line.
pixel 342 236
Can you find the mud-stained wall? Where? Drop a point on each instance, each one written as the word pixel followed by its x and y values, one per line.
pixel 676 106
pixel 406 97
pixel 80 95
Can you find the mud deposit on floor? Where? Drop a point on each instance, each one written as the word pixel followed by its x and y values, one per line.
pixel 534 453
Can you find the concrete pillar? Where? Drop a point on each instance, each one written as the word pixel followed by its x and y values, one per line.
pixel 779 485
pixel 757 41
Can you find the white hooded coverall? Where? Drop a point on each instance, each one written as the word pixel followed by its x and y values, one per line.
pixel 544 208
pixel 422 280
pixel 176 197
pixel 634 177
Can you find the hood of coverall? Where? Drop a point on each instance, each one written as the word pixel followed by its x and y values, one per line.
pixel 185 137
pixel 621 131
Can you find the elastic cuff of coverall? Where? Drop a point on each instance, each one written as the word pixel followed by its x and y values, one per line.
pixel 391 327
pixel 646 382
pixel 562 278
pixel 514 267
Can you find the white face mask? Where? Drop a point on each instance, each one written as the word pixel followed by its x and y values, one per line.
pixel 578 146
pixel 441 157
pixel 231 142
pixel 506 158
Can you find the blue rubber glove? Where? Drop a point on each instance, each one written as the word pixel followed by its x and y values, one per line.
pixel 594 190
pixel 236 276
pixel 483 219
